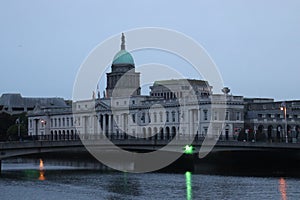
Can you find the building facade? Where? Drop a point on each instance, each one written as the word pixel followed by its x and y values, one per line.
pixel 174 108
pixel 265 119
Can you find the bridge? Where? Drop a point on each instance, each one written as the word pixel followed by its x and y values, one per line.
pixel 42 146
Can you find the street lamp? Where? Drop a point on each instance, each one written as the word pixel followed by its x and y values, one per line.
pixel 19 131
pixel 43 122
pixel 283 108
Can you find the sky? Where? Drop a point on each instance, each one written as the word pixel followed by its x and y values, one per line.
pixel 255 44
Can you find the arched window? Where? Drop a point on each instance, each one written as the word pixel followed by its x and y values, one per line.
pixel 167 116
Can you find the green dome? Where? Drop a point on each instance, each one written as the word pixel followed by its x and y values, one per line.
pixel 123 57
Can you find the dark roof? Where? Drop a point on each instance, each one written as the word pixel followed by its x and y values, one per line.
pixel 181 82
pixel 17 101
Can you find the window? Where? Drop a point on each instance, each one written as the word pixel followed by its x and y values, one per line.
pixel 215 115
pixel 143 117
pixel 133 118
pixel 133 101
pixel 78 120
pixel 167 116
pixel 205 129
pixel 227 115
pixel 161 116
pixel 205 114
pixel 173 116
pixel 55 122
pixel 68 121
pixel 149 118
pixel 155 117
pixel 238 116
pixel 63 122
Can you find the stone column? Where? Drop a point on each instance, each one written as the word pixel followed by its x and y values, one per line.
pixel 104 124
pixel 98 126
pixel 109 126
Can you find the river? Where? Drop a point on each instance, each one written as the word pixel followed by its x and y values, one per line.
pixel 27 180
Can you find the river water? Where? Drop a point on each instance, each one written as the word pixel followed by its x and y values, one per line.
pixel 27 180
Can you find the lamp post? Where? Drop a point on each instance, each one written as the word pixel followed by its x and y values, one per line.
pixel 283 108
pixel 43 122
pixel 19 131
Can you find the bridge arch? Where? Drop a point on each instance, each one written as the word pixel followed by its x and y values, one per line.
pixel 68 135
pixel 279 133
pixel 63 134
pixel 161 133
pixel 55 135
pixel 149 133
pixel 297 129
pixel 270 132
pixel 173 131
pixel 155 132
pixel 167 135
pixel 260 135
pixel 144 133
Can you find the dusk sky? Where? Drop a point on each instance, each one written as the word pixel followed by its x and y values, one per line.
pixel 255 44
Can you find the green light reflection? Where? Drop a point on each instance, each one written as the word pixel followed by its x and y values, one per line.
pixel 188 181
pixel 188 149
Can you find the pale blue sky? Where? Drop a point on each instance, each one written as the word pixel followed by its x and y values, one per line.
pixel 255 44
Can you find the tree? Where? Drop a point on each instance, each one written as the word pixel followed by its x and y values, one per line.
pixel 13 132
pixel 7 120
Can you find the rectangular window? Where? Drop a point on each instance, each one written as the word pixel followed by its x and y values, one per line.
pixel 143 117
pixel 117 119
pixel 155 117
pixel 205 129
pixel 215 115
pixel 227 115
pixel 238 116
pixel 173 116
pixel 205 114
pixel 133 118
pixel 167 116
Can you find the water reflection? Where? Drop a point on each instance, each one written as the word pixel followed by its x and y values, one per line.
pixel 126 185
pixel 282 188
pixel 188 182
pixel 42 172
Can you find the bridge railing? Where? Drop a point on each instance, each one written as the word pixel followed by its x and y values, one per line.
pixel 128 137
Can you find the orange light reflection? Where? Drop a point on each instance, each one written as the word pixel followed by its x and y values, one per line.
pixel 282 188
pixel 42 173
